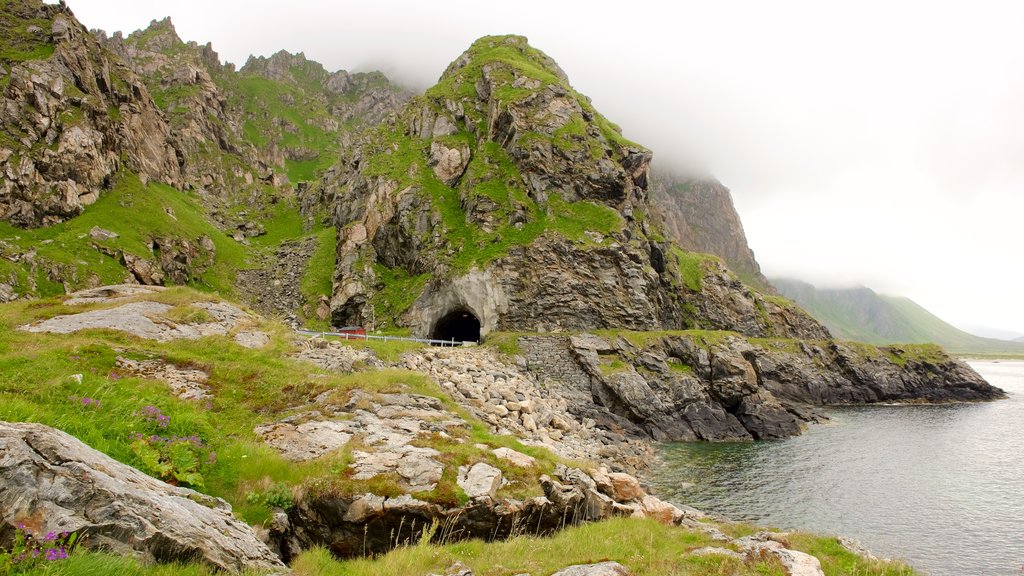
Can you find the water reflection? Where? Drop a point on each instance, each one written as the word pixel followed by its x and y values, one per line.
pixel 942 486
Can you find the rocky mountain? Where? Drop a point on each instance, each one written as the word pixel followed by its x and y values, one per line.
pixel 73 116
pixel 498 200
pixel 698 215
pixel 502 195
pixel 247 136
pixel 192 166
pixel 863 315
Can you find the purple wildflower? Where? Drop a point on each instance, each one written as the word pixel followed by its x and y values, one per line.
pixel 50 537
pixel 212 458
pixel 53 554
pixel 153 414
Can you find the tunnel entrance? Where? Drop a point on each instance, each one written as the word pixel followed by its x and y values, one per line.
pixel 459 325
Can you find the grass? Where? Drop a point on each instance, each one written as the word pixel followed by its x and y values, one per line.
pixel 317 278
pixel 691 268
pixel 137 213
pixel 645 547
pixel 399 292
pixel 19 43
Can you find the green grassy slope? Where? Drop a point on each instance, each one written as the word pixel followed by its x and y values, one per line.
pixel 861 314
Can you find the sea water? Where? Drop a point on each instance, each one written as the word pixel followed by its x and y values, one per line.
pixel 941 487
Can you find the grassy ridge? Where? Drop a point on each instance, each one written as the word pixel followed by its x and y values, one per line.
pixel 861 314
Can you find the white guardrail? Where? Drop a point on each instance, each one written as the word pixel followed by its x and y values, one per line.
pixel 350 336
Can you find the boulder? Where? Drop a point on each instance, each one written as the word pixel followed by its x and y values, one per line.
pixel 625 488
pixel 52 482
pixel 796 563
pixel 599 569
pixel 479 481
pixel 515 458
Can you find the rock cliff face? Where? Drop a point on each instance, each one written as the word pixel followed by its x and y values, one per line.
pixel 247 136
pixel 73 115
pixel 689 386
pixel 698 215
pixel 502 194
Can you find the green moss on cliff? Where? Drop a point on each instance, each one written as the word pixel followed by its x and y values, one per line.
pixel 399 291
pixel 690 267
pixel 23 38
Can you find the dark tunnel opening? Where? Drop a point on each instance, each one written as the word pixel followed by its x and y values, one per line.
pixel 459 325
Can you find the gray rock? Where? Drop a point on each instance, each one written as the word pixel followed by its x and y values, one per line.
pixel 186 383
pixel 56 483
pixel 515 458
pixel 797 563
pixel 136 318
pixel 599 569
pixel 715 551
pixel 252 339
pixel 97 233
pixel 479 481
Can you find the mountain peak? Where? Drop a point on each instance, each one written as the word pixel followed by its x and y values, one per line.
pixel 509 49
pixel 159 36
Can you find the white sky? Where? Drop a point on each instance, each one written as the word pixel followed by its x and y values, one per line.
pixel 876 142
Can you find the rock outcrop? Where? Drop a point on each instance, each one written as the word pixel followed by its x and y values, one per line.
pixel 51 482
pixel 71 120
pixel 699 386
pixel 367 524
pixel 151 320
pixel 503 194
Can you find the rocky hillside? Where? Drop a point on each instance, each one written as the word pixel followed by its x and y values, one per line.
pixel 73 116
pixel 499 203
pixel 190 168
pixel 247 136
pixel 502 194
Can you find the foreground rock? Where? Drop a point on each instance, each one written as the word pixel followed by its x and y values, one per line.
pixel 50 481
pixel 599 569
pixel 797 563
pixel 387 425
pixel 368 524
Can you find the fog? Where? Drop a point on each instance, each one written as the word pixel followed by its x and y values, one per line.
pixel 875 143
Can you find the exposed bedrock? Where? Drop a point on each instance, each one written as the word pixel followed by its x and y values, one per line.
pixel 684 387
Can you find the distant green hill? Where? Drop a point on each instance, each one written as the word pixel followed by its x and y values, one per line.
pixel 861 314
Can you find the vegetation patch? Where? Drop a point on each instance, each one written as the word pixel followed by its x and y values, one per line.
pixel 24 38
pixel 691 268
pixel 137 213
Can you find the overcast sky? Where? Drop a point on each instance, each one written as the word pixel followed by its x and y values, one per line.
pixel 875 143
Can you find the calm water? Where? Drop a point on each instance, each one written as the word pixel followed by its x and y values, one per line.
pixel 939 486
